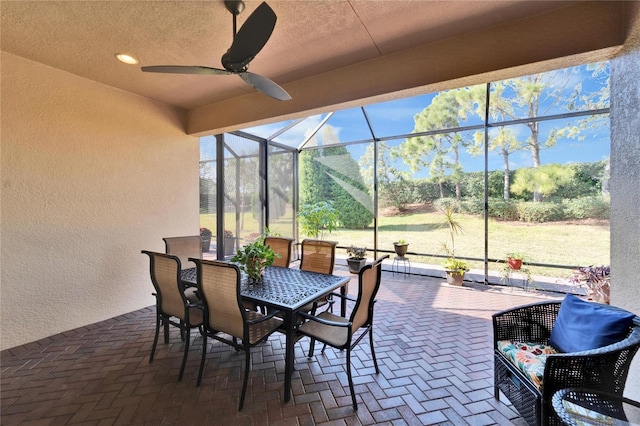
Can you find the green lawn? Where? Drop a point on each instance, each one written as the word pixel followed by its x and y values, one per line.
pixel 555 243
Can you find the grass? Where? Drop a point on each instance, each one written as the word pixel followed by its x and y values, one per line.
pixel 559 243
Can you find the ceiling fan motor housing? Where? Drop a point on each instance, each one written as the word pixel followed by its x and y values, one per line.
pixel 235 67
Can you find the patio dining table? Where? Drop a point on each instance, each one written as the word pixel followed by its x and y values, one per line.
pixel 287 290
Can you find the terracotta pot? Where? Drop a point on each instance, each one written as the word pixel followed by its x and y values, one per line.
pixel 454 278
pixel 401 249
pixel 514 264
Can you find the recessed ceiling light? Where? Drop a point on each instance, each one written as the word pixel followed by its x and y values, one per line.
pixel 127 59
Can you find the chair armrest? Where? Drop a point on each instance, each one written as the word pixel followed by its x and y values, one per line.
pixel 264 318
pixel 528 323
pixel 324 321
pixel 603 369
pixel 344 296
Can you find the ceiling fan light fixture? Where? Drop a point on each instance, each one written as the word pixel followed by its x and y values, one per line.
pixel 126 58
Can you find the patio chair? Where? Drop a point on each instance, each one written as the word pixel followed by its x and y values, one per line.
pixel 185 248
pixel 225 315
pixel 536 336
pixel 171 302
pixel 281 246
pixel 318 256
pixel 339 332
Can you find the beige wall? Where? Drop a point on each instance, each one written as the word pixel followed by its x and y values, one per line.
pixel 90 176
pixel 625 189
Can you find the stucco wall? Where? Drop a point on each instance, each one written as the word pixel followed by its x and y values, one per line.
pixel 90 176
pixel 625 194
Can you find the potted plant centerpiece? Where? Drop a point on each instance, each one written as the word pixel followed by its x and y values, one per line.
pixel 254 258
pixel 401 246
pixel 357 258
pixel 454 268
pixel 205 236
pixel 597 279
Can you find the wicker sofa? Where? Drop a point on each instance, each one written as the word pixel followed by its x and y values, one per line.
pixel 605 368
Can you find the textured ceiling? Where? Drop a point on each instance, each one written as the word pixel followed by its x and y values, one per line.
pixel 316 45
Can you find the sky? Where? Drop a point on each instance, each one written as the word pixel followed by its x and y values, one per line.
pixel 397 118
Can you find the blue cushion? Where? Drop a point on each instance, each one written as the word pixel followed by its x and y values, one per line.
pixel 581 326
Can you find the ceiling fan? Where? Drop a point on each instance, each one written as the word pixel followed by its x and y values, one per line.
pixel 247 42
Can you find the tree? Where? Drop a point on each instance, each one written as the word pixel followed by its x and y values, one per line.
pixel 280 183
pixel 331 173
pixel 315 185
pixel 544 179
pixel 441 151
pixel 393 183
pixel 542 94
pixel 207 187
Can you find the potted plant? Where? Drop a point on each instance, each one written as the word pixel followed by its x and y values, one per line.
pixel 357 258
pixel 597 279
pixel 205 236
pixel 229 243
pixel 454 268
pixel 401 246
pixel 514 260
pixel 515 265
pixel 254 258
pixel 315 219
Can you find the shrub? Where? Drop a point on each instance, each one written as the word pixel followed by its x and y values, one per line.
pixel 539 212
pixel 473 184
pixel 503 209
pixel 587 208
pixel 353 215
pixel 472 206
pixel 425 191
pixel 587 180
pixel 446 203
pixel 397 193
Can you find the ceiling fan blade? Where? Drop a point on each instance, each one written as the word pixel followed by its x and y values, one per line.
pixel 251 37
pixel 183 69
pixel 264 85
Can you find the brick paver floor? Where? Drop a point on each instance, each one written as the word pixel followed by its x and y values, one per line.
pixel 433 344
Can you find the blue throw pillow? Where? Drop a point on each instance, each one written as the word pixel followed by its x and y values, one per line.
pixel 581 326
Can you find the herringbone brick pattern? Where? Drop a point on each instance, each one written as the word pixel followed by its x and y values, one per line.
pixel 433 344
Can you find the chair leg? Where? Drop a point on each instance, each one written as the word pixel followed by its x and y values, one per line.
pixel 312 346
pixel 373 351
pixel 165 322
pixel 353 395
pixel 186 350
pixel 155 339
pixel 247 351
pixel 204 353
